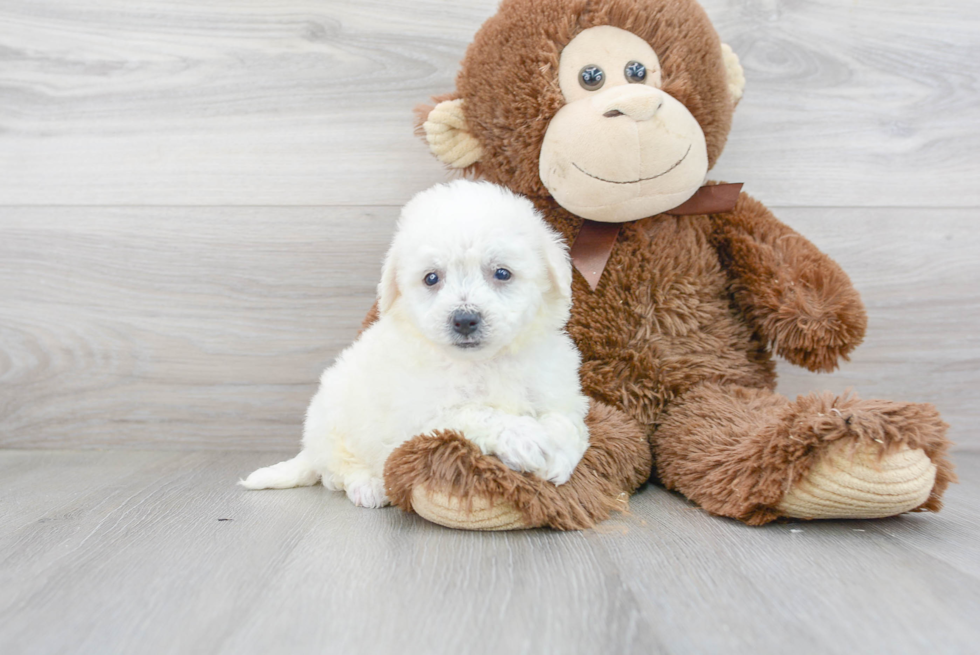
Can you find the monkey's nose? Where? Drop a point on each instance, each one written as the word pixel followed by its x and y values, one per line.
pixel 465 322
pixel 636 101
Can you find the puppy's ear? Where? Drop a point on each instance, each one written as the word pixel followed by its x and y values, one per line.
pixel 388 287
pixel 559 266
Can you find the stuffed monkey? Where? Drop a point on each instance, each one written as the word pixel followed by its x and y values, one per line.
pixel 608 114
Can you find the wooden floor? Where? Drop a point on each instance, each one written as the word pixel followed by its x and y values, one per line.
pixel 155 552
pixel 194 203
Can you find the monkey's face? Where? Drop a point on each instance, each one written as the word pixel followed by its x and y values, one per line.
pixel 621 148
pixel 615 109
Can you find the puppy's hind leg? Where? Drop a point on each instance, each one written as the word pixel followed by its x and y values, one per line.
pixel 295 472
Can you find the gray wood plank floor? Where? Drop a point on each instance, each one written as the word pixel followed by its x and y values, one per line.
pixel 308 102
pixel 194 198
pixel 125 552
pixel 187 327
pixel 194 201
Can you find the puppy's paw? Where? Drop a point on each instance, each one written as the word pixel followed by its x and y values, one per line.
pixel 559 469
pixel 569 441
pixel 367 492
pixel 521 445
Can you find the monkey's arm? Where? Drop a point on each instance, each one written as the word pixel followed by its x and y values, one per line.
pixel 793 294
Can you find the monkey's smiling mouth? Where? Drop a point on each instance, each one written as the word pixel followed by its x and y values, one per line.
pixel 642 179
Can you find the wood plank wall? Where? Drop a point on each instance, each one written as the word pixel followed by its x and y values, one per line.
pixel 195 197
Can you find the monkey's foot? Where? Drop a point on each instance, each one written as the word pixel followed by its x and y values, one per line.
pixel 450 512
pixel 862 484
pixel 882 468
pixel 447 480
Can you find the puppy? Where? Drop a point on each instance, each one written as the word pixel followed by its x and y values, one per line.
pixel 474 296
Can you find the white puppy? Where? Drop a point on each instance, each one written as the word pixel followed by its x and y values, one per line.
pixel 474 296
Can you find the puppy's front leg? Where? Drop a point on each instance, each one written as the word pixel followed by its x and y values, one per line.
pixel 568 439
pixel 520 442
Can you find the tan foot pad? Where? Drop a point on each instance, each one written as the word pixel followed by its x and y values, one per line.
pixel 448 511
pixel 860 485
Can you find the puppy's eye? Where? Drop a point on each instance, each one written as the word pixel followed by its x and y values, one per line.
pixel 502 274
pixel 431 279
pixel 635 72
pixel 591 77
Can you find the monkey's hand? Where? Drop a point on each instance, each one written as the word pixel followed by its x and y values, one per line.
pixel 798 298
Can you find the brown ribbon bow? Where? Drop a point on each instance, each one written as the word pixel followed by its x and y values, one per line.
pixel 594 243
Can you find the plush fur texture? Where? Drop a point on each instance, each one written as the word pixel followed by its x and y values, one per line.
pixel 515 56
pixel 453 465
pixel 755 444
pixel 474 295
pixel 678 336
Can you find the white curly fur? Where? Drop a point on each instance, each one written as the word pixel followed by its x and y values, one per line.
pixel 511 387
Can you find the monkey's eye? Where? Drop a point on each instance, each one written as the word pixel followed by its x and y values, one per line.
pixel 431 279
pixel 502 274
pixel 591 77
pixel 635 72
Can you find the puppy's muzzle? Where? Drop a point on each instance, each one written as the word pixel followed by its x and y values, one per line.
pixel 465 322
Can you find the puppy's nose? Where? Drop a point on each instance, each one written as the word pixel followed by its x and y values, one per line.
pixel 465 322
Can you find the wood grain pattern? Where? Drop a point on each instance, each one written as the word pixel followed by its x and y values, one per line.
pixel 919 276
pixel 176 327
pixel 208 327
pixel 123 552
pixel 303 102
pixel 194 203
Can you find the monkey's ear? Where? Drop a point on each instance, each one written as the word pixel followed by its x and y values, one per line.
pixel 445 130
pixel 736 76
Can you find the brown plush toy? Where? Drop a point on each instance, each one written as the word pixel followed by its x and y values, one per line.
pixel 608 115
